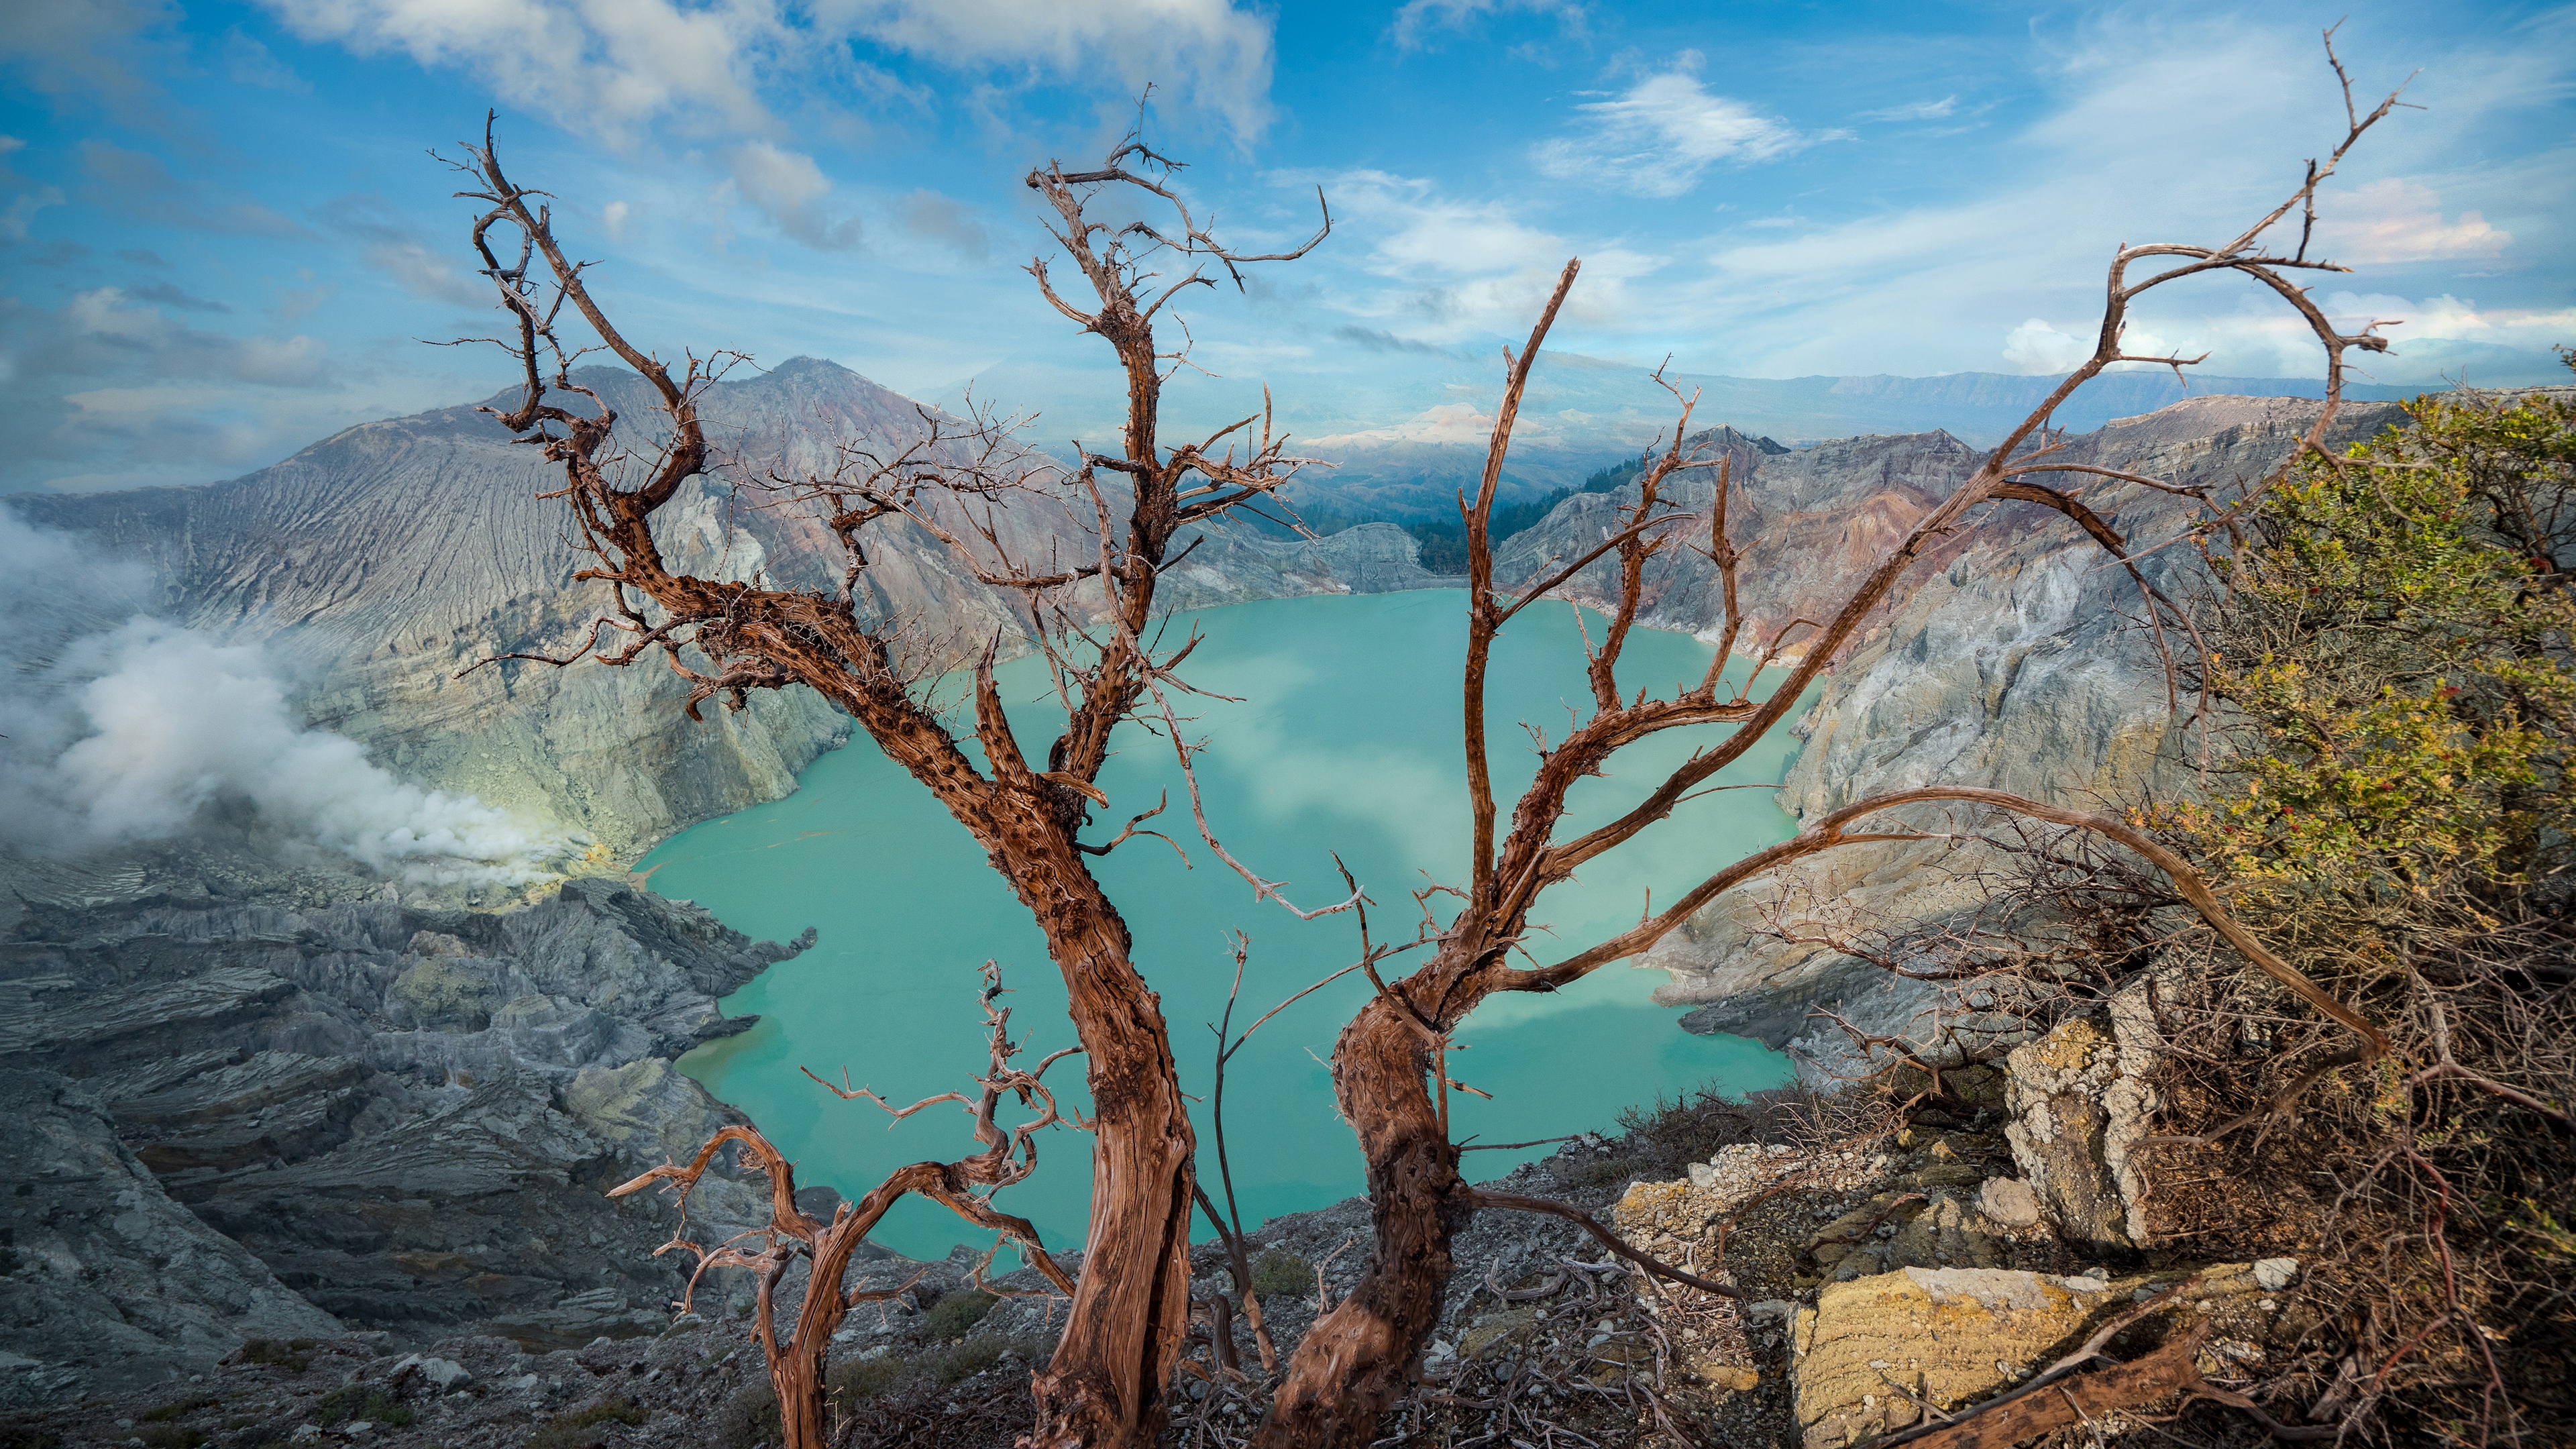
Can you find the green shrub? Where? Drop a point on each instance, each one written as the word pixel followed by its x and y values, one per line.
pixel 750 1419
pixel 169 1436
pixel 356 1402
pixel 962 1361
pixel 581 1428
pixel 277 1352
pixel 954 1314
pixel 1279 1273
pixel 864 1378
pixel 178 1409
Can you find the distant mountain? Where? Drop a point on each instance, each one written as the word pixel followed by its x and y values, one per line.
pixel 1405 436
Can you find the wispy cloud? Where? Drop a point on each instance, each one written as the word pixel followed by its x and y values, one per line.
pixel 391 244
pixel 789 189
pixel 1919 111
pixel 1416 20
pixel 605 71
pixel 138 184
pixel 1658 137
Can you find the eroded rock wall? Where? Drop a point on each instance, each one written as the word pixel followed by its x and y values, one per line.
pixel 2012 658
pixel 234 1116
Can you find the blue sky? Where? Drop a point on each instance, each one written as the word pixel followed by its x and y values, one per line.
pixel 223 235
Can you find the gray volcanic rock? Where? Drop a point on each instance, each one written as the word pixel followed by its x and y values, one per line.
pixel 408 1117
pixel 110 1284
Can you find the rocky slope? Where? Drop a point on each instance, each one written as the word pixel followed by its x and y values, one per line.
pixel 2013 660
pixel 231 1116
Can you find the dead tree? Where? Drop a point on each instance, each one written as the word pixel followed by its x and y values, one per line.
pixel 1130 1310
pixel 1389 1064
pixel 965 1187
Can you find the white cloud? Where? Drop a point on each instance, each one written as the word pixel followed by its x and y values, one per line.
pixel 941 220
pixel 2394 220
pixel 789 189
pixel 604 68
pixel 2037 348
pixel 425 273
pixel 1210 54
pixel 137 184
pixel 130 731
pixel 1658 137
pixel 102 330
pixel 611 68
pixel 613 218
pixel 62 46
pixel 23 208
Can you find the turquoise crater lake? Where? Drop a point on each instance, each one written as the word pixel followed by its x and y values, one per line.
pixel 1346 739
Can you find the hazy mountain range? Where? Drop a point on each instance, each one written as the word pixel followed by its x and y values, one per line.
pixel 1403 438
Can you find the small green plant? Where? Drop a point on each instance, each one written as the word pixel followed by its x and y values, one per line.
pixel 358 1402
pixel 960 1362
pixel 582 1428
pixel 178 1409
pixel 954 1314
pixel 276 1352
pixel 169 1436
pixel 1279 1273
pixel 749 1419
pixel 864 1378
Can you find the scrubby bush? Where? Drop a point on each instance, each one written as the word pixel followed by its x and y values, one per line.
pixel 749 1419
pixel 2386 803
pixel 361 1402
pixel 277 1352
pixel 957 1312
pixel 866 1378
pixel 178 1409
pixel 583 1428
pixel 1278 1273
pixel 962 1361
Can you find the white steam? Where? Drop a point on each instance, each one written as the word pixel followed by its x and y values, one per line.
pixel 121 726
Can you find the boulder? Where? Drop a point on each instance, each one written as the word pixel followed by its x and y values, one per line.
pixel 2009 1201
pixel 1873 1350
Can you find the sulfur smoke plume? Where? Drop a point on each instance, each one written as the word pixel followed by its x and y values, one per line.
pixel 123 726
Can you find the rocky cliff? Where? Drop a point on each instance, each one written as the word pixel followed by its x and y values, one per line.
pixel 230 1116
pixel 2012 659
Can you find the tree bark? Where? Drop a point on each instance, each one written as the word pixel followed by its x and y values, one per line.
pixel 1359 1357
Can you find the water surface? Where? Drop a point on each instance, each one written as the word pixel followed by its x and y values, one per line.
pixel 1347 739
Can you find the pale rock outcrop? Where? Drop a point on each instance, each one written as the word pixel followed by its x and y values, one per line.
pixel 1872 1350
pixel 2080 1101
pixel 2009 659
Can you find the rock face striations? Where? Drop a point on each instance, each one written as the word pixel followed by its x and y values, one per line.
pixel 230 1118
